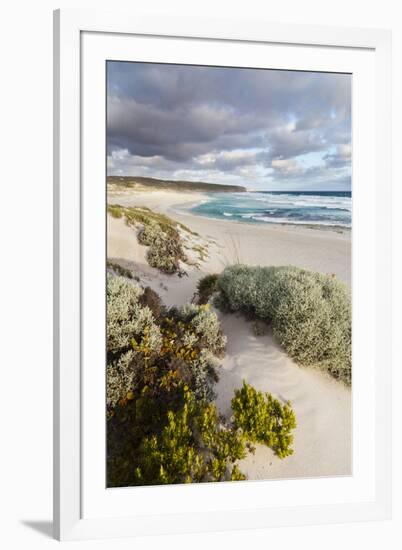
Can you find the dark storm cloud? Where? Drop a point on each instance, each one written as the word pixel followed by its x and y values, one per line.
pixel 200 119
pixel 179 133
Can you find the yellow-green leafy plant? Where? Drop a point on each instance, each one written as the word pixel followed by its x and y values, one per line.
pixel 192 447
pixel 263 419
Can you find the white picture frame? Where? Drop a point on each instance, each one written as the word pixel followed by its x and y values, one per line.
pixel 83 508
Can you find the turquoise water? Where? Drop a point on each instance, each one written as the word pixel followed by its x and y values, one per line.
pixel 332 208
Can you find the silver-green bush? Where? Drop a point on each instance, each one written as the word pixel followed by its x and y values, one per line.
pixel 310 312
pixel 189 341
pixel 204 323
pixel 126 318
pixel 120 378
pixel 165 248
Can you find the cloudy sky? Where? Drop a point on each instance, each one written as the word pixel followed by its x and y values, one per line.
pixel 265 129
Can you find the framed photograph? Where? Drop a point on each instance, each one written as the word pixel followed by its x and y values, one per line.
pixel 222 275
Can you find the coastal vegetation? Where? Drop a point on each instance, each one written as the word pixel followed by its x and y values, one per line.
pixel 165 247
pixel 263 419
pixel 167 240
pixel 141 183
pixel 143 215
pixel 162 367
pixel 310 312
pixel 206 286
pixel 119 269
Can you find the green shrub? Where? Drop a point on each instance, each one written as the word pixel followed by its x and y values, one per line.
pixel 138 417
pixel 206 287
pixel 157 231
pixel 192 334
pixel 204 323
pixel 174 456
pixel 310 312
pixel 148 346
pixel 161 370
pixel 264 419
pixel 238 288
pixel 313 320
pixel 165 248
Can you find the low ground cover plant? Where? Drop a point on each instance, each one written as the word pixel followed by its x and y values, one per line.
pixel 310 312
pixel 263 419
pixel 173 455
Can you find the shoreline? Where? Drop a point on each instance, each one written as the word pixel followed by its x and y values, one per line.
pixel 186 208
pixel 175 205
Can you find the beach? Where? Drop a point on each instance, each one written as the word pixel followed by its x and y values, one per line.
pixel 322 405
pixel 318 249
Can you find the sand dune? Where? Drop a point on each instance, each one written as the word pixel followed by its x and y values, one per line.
pixel 322 405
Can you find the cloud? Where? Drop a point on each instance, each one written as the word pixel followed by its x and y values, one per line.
pixel 287 167
pixel 225 123
pixel 286 142
pixel 341 158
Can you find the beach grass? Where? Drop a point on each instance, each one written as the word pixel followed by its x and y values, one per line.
pixel 146 216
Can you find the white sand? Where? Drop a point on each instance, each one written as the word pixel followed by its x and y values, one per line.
pixel 322 405
pixel 322 445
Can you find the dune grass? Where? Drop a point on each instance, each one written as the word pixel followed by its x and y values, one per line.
pixel 146 216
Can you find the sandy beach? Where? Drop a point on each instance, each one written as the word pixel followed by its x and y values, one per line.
pixel 322 405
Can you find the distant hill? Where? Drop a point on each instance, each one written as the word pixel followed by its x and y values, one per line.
pixel 170 185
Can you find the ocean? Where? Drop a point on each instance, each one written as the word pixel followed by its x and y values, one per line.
pixel 331 208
